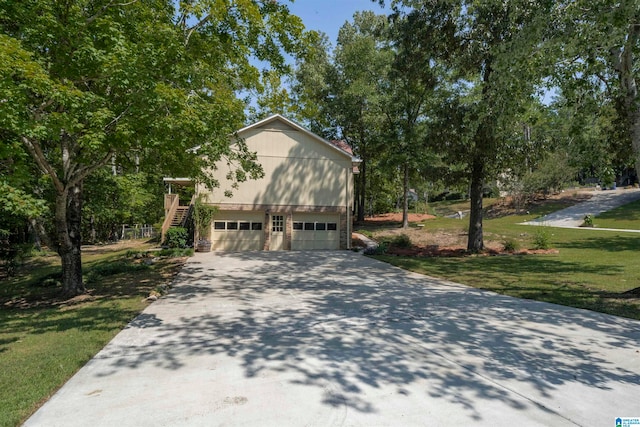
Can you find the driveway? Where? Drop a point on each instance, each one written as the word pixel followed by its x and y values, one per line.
pixel 335 338
pixel 602 201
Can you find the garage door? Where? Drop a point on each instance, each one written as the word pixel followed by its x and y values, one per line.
pixel 237 231
pixel 315 231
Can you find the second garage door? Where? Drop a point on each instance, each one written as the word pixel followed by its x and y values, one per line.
pixel 237 231
pixel 315 231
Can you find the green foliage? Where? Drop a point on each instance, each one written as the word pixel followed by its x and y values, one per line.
pixel 596 47
pixel 511 245
pixel 341 96
pixel 176 237
pixel 203 214
pixel 401 241
pixel 176 252
pixel 136 85
pixel 541 238
pixel 381 249
pixel 113 200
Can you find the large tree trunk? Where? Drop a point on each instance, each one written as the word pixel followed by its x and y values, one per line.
pixel 68 223
pixel 405 198
pixel 476 239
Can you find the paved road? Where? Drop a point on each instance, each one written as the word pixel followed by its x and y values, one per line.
pixel 602 201
pixel 335 338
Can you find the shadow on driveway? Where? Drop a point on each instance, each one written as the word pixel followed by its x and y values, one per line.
pixel 372 343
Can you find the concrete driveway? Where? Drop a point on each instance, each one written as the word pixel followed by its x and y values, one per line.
pixel 334 338
pixel 602 201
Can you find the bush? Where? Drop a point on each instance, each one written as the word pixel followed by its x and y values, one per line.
pixel 176 237
pixel 588 221
pixel 401 241
pixel 541 239
pixel 511 245
pixel 381 249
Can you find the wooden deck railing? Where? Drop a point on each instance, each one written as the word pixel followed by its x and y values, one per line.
pixel 171 203
pixel 175 215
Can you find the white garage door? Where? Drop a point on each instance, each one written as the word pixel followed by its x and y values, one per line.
pixel 237 231
pixel 315 231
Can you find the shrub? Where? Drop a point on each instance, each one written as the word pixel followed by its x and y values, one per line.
pixel 381 249
pixel 511 245
pixel 176 252
pixel 176 237
pixel 541 239
pixel 401 241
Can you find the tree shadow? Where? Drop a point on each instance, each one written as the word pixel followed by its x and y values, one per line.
pixel 609 243
pixel 341 319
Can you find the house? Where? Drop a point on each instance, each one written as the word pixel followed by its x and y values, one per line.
pixel 303 202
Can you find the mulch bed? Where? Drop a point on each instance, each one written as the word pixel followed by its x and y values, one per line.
pixel 437 251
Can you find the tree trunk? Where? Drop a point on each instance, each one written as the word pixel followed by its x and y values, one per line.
pixel 624 64
pixel 475 242
pixel 68 223
pixel 405 198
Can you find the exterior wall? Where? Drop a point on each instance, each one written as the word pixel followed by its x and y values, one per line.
pixel 303 174
pixel 298 171
pixel 229 211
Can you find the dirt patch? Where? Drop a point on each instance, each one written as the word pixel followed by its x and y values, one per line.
pixel 457 251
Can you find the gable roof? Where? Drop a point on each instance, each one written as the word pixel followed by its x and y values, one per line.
pixel 339 146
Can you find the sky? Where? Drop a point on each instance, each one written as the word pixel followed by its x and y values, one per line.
pixel 329 15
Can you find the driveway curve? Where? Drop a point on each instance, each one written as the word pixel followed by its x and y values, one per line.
pixel 602 201
pixel 335 338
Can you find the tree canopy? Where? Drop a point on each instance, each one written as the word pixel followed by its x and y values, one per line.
pixel 83 82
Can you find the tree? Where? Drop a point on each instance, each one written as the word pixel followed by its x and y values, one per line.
pixel 597 44
pixel 82 81
pixel 410 92
pixel 489 49
pixel 340 92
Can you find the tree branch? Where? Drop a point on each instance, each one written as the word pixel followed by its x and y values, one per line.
pixel 36 152
pixel 104 9
pixel 195 27
pixel 83 172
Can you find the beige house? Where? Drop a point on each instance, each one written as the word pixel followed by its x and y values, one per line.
pixel 303 202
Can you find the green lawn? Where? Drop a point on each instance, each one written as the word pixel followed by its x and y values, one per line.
pixel 44 341
pixel 592 269
pixel 624 217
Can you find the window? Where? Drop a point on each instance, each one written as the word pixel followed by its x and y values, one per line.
pixel 277 223
pixel 256 226
pixel 232 225
pixel 309 226
pixel 297 225
pixel 219 225
pixel 321 226
pixel 245 226
pixel 332 226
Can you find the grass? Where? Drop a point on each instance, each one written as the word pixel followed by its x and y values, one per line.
pixel 592 269
pixel 44 340
pixel 624 217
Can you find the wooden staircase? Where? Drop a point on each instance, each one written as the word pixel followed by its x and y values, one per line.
pixel 176 215
pixel 179 216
